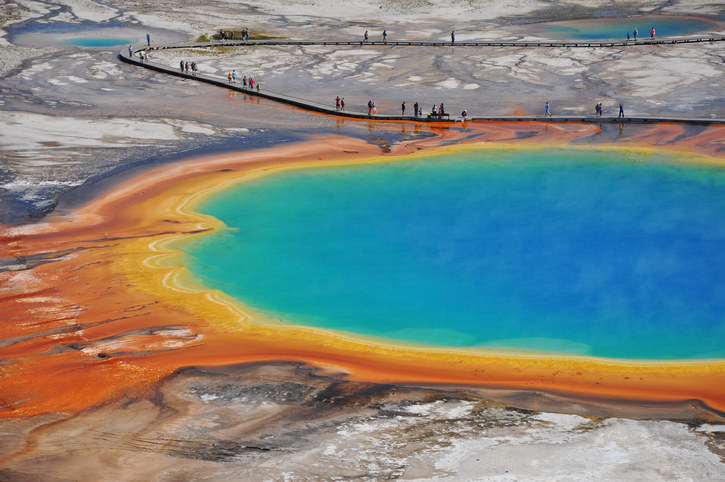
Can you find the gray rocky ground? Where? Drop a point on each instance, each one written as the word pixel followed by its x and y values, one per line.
pixel 75 120
pixel 286 422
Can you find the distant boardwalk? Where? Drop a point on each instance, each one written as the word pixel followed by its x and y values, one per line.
pixel 129 57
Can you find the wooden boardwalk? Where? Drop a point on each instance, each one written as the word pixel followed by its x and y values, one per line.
pixel 479 43
pixel 330 110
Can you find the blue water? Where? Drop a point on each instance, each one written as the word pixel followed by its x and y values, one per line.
pixel 617 28
pixel 604 253
pixel 99 41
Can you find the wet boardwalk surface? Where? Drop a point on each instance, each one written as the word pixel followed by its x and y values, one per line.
pixel 327 109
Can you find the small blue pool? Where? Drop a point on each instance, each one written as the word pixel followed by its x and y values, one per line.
pixel 99 41
pixel 617 28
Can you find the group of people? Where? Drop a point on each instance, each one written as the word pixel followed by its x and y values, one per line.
pixel 635 33
pixel 372 109
pixel 438 110
pixel 232 77
pixel 224 35
pixel 339 103
pixel 598 109
pixel 184 66
pixel 144 56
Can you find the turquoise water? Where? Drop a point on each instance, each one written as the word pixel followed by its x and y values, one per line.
pixel 602 253
pixel 617 28
pixel 98 41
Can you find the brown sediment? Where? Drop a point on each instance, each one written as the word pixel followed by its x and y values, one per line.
pixel 111 314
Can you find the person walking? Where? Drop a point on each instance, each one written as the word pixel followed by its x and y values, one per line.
pixel 402 108
pixel 547 109
pixel 370 107
pixel 636 32
pixel 621 111
pixel 181 66
pixel 251 82
pixel 130 50
pixel 652 33
pixel 229 77
pixel 342 104
pixel 416 109
pixel 244 81
pixel 627 36
pixel 365 37
pixel 148 39
pixel 453 37
pixel 194 68
pixel 385 36
pixel 186 66
pixel 234 76
pixel 337 103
